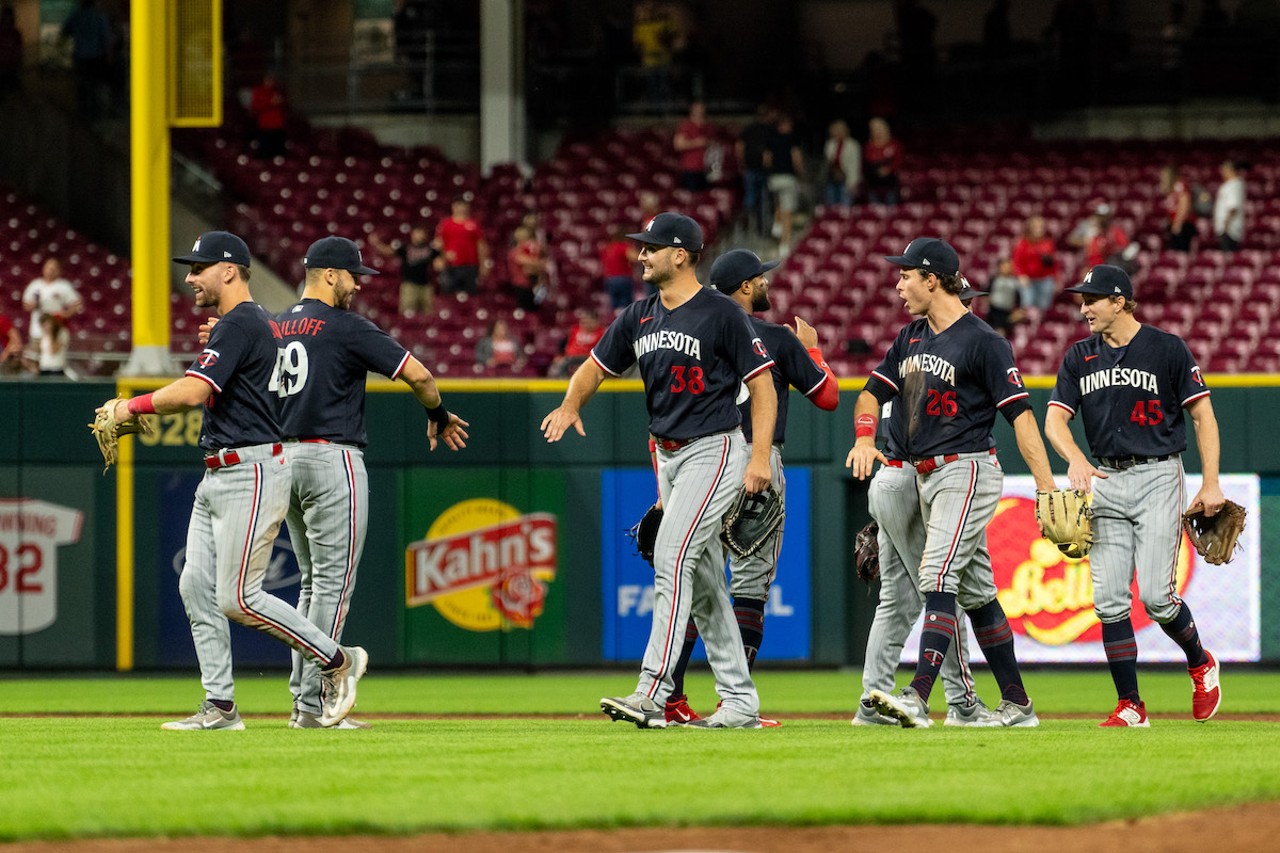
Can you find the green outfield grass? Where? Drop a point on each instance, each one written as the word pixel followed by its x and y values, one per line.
pixel 550 760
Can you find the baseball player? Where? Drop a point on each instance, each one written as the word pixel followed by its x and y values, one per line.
pixel 894 502
pixel 1132 384
pixel 694 348
pixel 798 362
pixel 950 374
pixel 326 353
pixel 244 494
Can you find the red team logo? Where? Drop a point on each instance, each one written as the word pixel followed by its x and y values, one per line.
pixel 208 358
pixel 1046 595
pixel 1014 377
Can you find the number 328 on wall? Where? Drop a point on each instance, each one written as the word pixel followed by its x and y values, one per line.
pixel 180 429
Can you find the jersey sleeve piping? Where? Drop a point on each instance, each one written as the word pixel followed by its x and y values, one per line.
pixel 214 385
pixel 886 380
pixel 1007 400
pixel 602 365
pixel 761 369
pixel 400 368
pixel 1062 405
pixel 1194 397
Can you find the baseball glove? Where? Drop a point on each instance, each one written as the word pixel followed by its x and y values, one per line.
pixel 751 520
pixel 1066 520
pixel 1214 536
pixel 107 430
pixel 644 533
pixel 866 552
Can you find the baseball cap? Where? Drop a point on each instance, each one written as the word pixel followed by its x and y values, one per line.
pixel 969 292
pixel 215 247
pixel 336 253
pixel 671 229
pixel 736 266
pixel 929 254
pixel 1105 280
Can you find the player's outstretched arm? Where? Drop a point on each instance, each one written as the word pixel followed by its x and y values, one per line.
pixel 586 379
pixel 1031 446
pixel 764 415
pixel 453 431
pixel 862 457
pixel 827 396
pixel 1080 470
pixel 1207 442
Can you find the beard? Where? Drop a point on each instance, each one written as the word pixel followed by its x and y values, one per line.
pixel 760 301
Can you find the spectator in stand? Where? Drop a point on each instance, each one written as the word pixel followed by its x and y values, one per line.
pixel 527 268
pixel 55 339
pixel 693 136
pixel 1228 208
pixel 49 294
pixel 465 251
pixel 419 260
pixel 90 32
pixel 842 158
pixel 10 52
pixel 883 161
pixel 268 106
pixel 1177 204
pixel 577 347
pixel 752 148
pixel 498 350
pixel 11 357
pixel 1036 265
pixel 1100 239
pixel 785 161
pixel 618 258
pixel 1003 312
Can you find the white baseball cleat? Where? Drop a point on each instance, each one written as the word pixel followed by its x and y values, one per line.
pixel 339 685
pixel 208 718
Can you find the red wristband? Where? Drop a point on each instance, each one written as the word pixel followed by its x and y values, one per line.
pixel 653 445
pixel 142 405
pixel 865 425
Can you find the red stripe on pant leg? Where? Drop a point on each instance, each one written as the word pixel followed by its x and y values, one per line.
pixel 964 519
pixel 245 556
pixel 344 603
pixel 680 557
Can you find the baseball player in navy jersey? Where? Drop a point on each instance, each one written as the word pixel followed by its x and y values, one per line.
pixel 1132 384
pixel 798 362
pixel 950 373
pixel 326 353
pixel 695 348
pixel 894 502
pixel 244 494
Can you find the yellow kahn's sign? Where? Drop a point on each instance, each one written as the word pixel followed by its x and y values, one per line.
pixel 483 565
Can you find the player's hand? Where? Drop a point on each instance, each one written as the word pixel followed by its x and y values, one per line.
pixel 122 413
pixel 1081 474
pixel 759 475
pixel 558 422
pixel 1210 498
pixel 807 334
pixel 206 329
pixel 455 436
pixel 862 459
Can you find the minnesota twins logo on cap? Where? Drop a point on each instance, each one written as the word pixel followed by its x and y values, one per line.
pixel 671 229
pixel 1105 280
pixel 930 254
pixel 217 246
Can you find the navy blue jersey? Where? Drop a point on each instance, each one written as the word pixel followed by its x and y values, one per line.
pixel 894 438
pixel 1131 398
pixel 238 362
pixel 692 359
pixel 949 386
pixel 325 355
pixel 792 366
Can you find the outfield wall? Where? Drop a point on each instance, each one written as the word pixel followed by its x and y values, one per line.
pixel 510 553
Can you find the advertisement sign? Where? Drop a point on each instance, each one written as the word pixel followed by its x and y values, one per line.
pixel 627 580
pixel 30 533
pixel 1048 597
pixel 483 565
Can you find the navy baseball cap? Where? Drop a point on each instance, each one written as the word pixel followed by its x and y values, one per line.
pixel 929 254
pixel 671 229
pixel 1105 280
pixel 734 267
pixel 336 253
pixel 969 292
pixel 216 247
